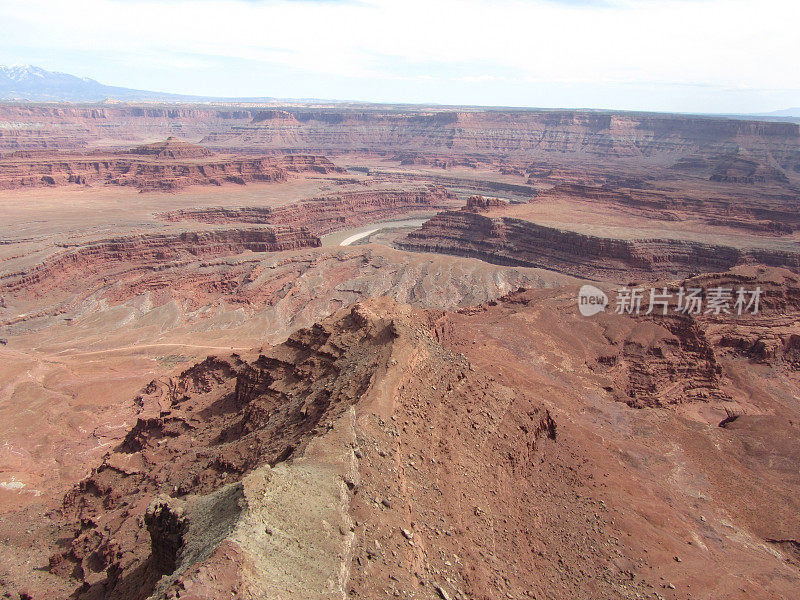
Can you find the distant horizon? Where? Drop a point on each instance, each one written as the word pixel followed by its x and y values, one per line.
pixel 790 113
pixel 685 56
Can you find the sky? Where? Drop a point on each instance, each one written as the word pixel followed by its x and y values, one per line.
pixel 707 56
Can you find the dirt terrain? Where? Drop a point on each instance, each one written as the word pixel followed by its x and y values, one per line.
pixel 335 352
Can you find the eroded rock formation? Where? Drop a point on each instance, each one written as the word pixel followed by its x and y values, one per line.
pixel 481 203
pixel 325 214
pixel 172 148
pixel 149 251
pixel 165 166
pixel 512 241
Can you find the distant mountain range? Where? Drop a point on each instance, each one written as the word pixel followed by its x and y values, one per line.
pixel 793 113
pixel 26 82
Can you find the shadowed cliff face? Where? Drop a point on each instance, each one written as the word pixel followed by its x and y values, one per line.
pixel 509 241
pixel 326 214
pixel 146 252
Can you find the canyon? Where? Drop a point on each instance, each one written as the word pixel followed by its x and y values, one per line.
pixel 335 351
pixel 380 128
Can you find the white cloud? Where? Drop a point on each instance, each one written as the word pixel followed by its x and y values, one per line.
pixel 736 44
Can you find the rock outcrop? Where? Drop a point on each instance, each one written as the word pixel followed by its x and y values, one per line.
pixel 328 213
pixel 772 210
pixel 511 241
pixel 754 225
pixel 165 166
pixel 197 466
pixel 172 148
pixel 149 251
pixel 482 204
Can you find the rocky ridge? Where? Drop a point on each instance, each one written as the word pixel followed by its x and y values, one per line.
pixel 165 166
pixel 328 213
pixel 147 251
pixel 356 419
pixel 512 241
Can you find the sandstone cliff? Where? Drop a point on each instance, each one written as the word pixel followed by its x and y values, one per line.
pixel 145 252
pixel 329 213
pixel 510 241
pixel 167 166
pixel 528 133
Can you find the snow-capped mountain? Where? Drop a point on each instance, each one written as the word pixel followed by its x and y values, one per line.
pixel 27 82
pixel 21 72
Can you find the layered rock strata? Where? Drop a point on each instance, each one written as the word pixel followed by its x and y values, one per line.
pixel 149 251
pixel 329 213
pixel 510 241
